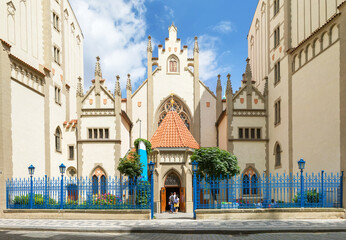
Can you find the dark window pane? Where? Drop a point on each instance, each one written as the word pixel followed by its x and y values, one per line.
pixel 258 133
pixel 95 133
pixel 252 133
pixel 90 133
pixel 101 133
pixel 241 133
pixel 106 133
pixel 246 133
pixel 71 152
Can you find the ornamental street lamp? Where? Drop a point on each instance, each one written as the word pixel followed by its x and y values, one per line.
pixel 194 169
pixel 151 169
pixel 31 170
pixel 301 165
pixel 62 169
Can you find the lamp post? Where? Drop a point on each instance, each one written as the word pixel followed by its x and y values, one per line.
pixel 194 169
pixel 31 169
pixel 151 169
pixel 62 169
pixel 301 165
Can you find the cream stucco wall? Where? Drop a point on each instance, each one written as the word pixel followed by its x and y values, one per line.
pixel 316 120
pixel 139 111
pixel 223 134
pixel 208 119
pixel 28 135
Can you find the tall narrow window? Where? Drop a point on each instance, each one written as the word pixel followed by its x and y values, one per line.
pixel 276 6
pixel 95 133
pixel 58 139
pixel 90 133
pixel 106 133
pixel 101 133
pixel 277 74
pixel 277 112
pixel 56 21
pixel 71 152
pixel 246 133
pixel 277 37
pixel 57 95
pixel 277 155
pixel 95 185
pixel 252 133
pixel 241 133
pixel 173 65
pixel 258 133
pixel 57 55
pixel 103 184
pixel 246 184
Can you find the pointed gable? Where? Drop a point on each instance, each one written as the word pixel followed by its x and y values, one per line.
pixel 172 133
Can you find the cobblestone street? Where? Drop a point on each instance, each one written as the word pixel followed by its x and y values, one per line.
pixel 19 235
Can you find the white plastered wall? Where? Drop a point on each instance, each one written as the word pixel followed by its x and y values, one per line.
pixel 28 135
pixel 316 121
pixel 139 111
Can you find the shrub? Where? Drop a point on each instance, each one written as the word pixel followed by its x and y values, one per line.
pixel 38 200
pixel 311 196
pixel 106 199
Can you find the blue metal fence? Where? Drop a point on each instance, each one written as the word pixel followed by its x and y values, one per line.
pixel 83 193
pixel 274 191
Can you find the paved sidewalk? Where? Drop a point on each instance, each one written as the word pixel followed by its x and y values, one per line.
pixel 182 226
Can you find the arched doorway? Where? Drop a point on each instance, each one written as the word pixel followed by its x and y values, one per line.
pixel 172 184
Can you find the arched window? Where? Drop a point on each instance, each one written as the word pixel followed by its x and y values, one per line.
pixel 246 185
pixel 103 184
pixel 95 184
pixel 173 65
pixel 58 140
pixel 172 180
pixel 277 155
pixel 178 107
pixel 250 182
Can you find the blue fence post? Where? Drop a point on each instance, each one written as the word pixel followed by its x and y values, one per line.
pixel 7 192
pixel 194 169
pixel 301 189
pixel 62 193
pixel 31 192
pixel 152 194
pixel 322 187
pixel 45 191
pixel 341 188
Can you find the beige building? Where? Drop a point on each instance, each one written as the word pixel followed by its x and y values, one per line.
pixel 290 104
pixel 299 48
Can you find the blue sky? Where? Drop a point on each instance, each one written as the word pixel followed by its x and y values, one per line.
pixel 117 31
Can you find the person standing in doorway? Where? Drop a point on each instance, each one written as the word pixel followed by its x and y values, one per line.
pixel 171 202
pixel 176 203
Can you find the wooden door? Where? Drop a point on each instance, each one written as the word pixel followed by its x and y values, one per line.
pixel 163 199
pixel 182 199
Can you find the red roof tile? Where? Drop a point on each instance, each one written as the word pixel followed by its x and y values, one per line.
pixel 172 133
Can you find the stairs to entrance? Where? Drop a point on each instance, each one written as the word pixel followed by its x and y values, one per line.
pixel 178 215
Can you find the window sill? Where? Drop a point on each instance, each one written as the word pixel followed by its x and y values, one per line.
pixel 277 83
pixel 173 73
pixel 58 103
pixel 58 151
pixel 277 124
pixel 278 166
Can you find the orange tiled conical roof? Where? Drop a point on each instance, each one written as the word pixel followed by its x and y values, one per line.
pixel 172 133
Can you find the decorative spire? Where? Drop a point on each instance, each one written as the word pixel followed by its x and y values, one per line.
pixel 229 85
pixel 128 85
pixel 172 102
pixel 79 87
pixel 265 93
pixel 117 90
pixel 248 73
pixel 195 47
pixel 98 67
pixel 149 47
pixel 218 85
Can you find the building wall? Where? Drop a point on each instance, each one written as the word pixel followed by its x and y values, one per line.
pixel 316 112
pixel 27 136
pixel 139 111
pixel 208 119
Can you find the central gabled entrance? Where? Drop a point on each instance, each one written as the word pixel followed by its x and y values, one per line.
pixel 172 184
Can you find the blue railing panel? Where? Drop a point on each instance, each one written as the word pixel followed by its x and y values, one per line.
pixel 73 193
pixel 274 191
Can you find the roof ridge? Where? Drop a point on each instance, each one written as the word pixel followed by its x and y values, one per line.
pixel 179 132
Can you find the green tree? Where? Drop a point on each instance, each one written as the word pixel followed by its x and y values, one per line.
pixel 130 165
pixel 215 162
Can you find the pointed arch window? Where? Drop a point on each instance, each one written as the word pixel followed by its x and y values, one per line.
pixel 173 64
pixel 277 155
pixel 57 139
pixel 179 108
pixel 250 182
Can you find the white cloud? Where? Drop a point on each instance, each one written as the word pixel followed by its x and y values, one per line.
pixel 223 27
pixel 115 31
pixel 209 64
pixel 169 11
